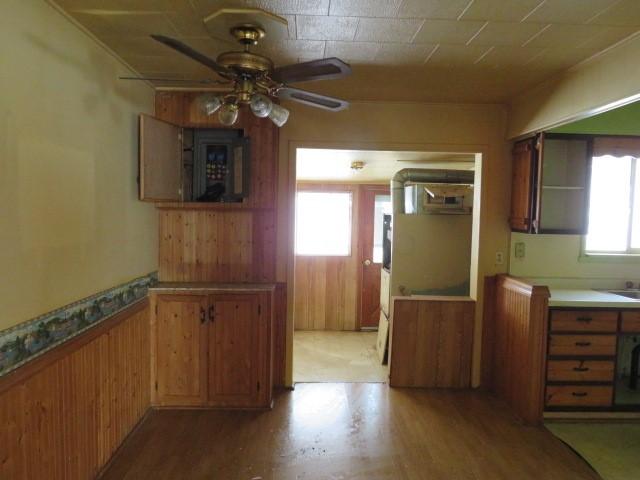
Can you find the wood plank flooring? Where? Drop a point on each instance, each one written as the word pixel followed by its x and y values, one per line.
pixel 349 431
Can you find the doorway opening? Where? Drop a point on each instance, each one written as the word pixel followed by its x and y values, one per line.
pixel 341 297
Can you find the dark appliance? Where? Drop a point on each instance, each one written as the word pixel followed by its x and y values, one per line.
pixel 221 160
pixel 386 241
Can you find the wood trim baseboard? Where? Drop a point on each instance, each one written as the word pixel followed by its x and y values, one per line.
pixel 32 367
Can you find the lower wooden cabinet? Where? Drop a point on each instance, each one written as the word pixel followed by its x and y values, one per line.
pixel 213 350
pixel 181 331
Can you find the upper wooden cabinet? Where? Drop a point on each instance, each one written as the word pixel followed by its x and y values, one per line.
pixel 246 155
pixel 212 350
pixel 522 187
pixel 550 184
pixel 192 165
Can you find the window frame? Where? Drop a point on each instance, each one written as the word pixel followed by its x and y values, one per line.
pixel 324 189
pixel 630 252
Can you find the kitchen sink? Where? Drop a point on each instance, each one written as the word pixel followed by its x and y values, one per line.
pixel 635 294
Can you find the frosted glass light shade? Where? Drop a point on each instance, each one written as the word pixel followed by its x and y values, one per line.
pixel 228 114
pixel 279 115
pixel 261 105
pixel 209 104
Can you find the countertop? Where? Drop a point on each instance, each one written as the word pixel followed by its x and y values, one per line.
pixel 561 297
pixel 434 298
pixel 169 287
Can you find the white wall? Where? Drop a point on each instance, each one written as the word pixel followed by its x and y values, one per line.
pixel 557 257
pixel 597 84
pixel 70 222
pixel 408 127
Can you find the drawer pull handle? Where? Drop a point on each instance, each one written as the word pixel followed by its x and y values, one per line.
pixel 579 394
pixel 583 344
pixel 580 369
pixel 584 319
pixel 203 315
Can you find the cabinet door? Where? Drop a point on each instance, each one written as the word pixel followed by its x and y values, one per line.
pixel 160 160
pixel 181 349
pixel 563 175
pixel 522 186
pixel 239 351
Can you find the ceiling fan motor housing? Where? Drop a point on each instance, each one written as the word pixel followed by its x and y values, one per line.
pixel 245 62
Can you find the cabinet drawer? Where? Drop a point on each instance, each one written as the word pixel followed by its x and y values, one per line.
pixel 583 321
pixel 578 396
pixel 580 371
pixel 582 345
pixel 631 321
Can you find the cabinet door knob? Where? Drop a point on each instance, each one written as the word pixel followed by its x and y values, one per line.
pixel 212 313
pixel 203 315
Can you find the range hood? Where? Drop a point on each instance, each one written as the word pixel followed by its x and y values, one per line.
pixel 424 191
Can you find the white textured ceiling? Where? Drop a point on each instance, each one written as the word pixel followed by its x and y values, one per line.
pixel 333 165
pixel 451 50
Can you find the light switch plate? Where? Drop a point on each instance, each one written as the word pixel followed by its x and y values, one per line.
pixel 499 258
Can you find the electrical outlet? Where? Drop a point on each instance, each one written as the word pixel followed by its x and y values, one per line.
pixel 499 258
pixel 519 251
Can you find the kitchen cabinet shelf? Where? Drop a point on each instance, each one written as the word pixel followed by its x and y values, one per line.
pixel 550 184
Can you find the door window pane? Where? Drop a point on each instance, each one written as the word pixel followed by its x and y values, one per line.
pixel 323 223
pixel 382 206
pixel 609 204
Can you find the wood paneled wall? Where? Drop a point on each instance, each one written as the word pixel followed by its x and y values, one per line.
pixel 519 346
pixel 326 292
pixel 63 415
pixel 202 245
pixel 226 243
pixel 430 343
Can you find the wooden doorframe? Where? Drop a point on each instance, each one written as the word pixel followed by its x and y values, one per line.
pixel 364 189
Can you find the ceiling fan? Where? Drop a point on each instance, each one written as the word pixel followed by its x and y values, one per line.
pixel 252 78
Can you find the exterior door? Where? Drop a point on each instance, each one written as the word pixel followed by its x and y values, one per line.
pixel 181 349
pixel 234 350
pixel 374 201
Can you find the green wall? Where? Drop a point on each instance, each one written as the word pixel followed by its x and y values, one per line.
pixel 621 121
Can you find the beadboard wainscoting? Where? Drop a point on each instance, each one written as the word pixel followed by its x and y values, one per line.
pixel 65 413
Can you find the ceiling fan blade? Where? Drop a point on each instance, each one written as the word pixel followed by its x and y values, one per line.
pixel 177 80
pixel 323 69
pixel 312 99
pixel 185 49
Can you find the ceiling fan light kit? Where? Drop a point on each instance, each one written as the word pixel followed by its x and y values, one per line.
pixel 279 115
pixel 261 105
pixel 252 79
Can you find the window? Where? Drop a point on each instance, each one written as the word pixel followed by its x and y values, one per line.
pixel 614 206
pixel 323 223
pixel 382 205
